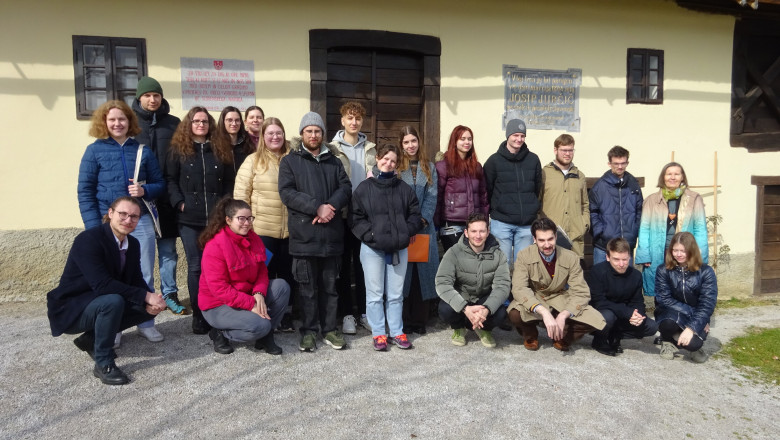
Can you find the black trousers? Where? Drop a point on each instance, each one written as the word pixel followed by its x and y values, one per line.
pixel 316 278
pixel 616 328
pixel 459 320
pixel 669 333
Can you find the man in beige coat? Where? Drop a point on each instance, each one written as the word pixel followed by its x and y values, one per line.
pixel 548 285
pixel 564 194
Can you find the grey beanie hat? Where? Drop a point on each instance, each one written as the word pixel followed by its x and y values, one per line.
pixel 311 118
pixel 515 126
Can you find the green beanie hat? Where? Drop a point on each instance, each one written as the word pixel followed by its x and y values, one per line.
pixel 147 84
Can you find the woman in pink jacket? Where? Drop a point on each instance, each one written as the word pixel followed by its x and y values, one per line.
pixel 236 297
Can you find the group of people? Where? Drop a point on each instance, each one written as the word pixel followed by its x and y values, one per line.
pixel 274 226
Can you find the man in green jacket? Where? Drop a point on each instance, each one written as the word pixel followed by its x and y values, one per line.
pixel 473 282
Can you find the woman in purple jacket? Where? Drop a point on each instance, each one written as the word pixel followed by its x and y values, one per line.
pixel 462 188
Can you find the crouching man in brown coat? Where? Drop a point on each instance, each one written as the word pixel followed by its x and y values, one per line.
pixel 548 286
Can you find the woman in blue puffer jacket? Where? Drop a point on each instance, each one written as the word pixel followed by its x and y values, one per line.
pixel 686 293
pixel 106 173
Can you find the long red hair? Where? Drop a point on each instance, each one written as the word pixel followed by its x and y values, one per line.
pixel 455 165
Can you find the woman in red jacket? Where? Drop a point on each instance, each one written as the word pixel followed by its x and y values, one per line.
pixel 462 188
pixel 236 297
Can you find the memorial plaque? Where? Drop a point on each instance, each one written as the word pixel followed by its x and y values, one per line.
pixel 217 83
pixel 543 99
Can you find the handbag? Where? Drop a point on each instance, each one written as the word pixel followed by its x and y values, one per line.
pixel 418 249
pixel 151 206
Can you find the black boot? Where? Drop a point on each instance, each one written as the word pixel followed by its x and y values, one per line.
pixel 199 325
pixel 267 343
pixel 221 343
pixel 601 345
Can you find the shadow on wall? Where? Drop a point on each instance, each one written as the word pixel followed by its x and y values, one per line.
pixel 31 263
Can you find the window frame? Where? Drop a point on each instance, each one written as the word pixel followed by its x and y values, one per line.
pixel 645 80
pixel 113 91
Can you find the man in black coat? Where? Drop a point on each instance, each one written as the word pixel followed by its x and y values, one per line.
pixel 616 292
pixel 102 290
pixel 157 129
pixel 315 188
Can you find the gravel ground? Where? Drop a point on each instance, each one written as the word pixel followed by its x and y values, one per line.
pixel 181 389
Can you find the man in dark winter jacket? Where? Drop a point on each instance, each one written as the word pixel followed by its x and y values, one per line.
pixel 315 187
pixel 514 182
pixel 616 292
pixel 157 128
pixel 473 282
pixel 615 206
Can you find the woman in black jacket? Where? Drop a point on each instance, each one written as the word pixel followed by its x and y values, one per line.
pixel 385 216
pixel 231 131
pixel 198 173
pixel 686 293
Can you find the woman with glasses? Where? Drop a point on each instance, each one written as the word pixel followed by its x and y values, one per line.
pixel 462 187
pixel 237 298
pixel 106 172
pixel 257 183
pixel 231 131
pixel 199 173
pixel 254 117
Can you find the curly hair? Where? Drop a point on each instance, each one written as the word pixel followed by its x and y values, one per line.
pixel 264 155
pixel 455 165
pixel 226 207
pixel 223 137
pixel 354 107
pixel 182 141
pixel 422 154
pixel 97 125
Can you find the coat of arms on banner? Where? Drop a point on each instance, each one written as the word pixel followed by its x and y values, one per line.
pixel 218 64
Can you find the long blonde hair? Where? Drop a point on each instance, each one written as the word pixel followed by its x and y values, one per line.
pixel 264 155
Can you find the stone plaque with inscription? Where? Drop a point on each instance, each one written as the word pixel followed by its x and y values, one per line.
pixel 544 99
pixel 217 83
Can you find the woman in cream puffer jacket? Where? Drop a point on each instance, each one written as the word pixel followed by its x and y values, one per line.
pixel 257 183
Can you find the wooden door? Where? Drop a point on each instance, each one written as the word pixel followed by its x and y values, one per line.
pixel 767 267
pixel 388 83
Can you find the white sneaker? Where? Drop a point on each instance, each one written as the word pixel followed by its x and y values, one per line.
pixel 364 322
pixel 349 326
pixel 117 340
pixel 151 333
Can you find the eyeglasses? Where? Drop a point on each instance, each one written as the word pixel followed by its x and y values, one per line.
pixel 278 134
pixel 124 216
pixel 232 121
pixel 562 151
pixel 242 219
pixel 199 122
pixel 313 132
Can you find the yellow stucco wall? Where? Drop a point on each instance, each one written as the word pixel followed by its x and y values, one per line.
pixel 43 142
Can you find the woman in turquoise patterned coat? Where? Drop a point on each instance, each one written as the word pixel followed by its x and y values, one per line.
pixel 673 209
pixel 419 286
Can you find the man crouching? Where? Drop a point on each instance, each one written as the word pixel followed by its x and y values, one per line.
pixel 102 290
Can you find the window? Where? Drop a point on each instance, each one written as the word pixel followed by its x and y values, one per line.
pixel 106 68
pixel 645 77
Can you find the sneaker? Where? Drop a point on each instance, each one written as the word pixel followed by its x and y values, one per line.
pixel 364 322
pixel 151 333
pixel 459 337
pixel 401 341
pixel 699 356
pixel 380 343
pixel 486 338
pixel 117 340
pixel 307 342
pixel 286 325
pixel 349 326
pixel 335 340
pixel 667 350
pixel 174 306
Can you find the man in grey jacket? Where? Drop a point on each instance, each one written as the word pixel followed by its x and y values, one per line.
pixel 473 282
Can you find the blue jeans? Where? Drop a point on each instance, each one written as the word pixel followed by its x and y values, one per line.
pixel 102 318
pixel 144 232
pixel 511 238
pixel 166 248
pixel 600 256
pixel 384 279
pixel 241 325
